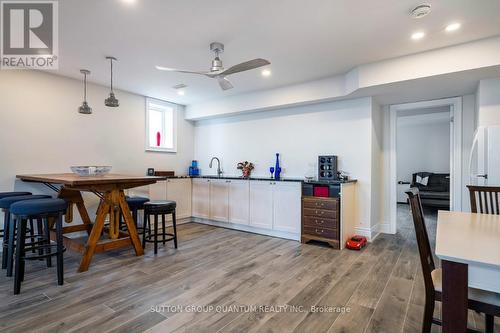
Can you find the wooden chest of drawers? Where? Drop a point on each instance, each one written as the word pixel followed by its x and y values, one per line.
pixel 321 220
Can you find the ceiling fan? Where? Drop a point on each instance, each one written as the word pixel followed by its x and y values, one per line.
pixel 217 70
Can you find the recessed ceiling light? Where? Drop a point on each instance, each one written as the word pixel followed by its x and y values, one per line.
pixel 418 35
pixel 452 27
pixel 129 2
pixel 266 72
pixel 181 92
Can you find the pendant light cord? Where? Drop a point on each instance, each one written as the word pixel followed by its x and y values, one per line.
pixel 111 75
pixel 85 87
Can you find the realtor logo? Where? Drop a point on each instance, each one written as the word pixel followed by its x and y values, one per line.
pixel 29 34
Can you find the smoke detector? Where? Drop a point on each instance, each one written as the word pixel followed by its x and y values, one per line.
pixel 420 11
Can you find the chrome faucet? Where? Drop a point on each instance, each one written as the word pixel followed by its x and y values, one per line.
pixel 219 171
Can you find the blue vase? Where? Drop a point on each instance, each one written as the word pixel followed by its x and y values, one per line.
pixel 277 168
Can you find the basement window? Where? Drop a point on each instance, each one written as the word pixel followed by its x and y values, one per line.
pixel 161 126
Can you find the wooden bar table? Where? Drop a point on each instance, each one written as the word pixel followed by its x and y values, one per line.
pixel 468 245
pixel 110 189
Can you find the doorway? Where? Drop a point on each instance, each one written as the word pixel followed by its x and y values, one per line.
pixel 431 131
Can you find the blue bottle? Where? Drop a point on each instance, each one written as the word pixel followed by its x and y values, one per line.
pixel 277 168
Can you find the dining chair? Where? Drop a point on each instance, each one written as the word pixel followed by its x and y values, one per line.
pixel 484 199
pixel 479 300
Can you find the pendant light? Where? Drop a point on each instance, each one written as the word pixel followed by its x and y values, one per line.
pixel 85 108
pixel 111 101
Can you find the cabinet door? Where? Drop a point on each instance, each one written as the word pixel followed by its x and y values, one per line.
pixel 261 204
pixel 179 190
pixel 158 191
pixel 201 198
pixel 219 200
pixel 286 206
pixel 239 192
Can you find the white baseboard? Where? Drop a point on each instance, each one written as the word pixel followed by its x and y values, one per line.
pixel 248 228
pixel 370 233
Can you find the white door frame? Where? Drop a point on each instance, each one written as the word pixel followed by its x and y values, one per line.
pixel 455 104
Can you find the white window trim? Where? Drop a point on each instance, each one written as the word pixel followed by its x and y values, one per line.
pixel 175 108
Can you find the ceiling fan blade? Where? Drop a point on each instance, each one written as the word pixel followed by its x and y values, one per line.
pixel 224 83
pixel 246 66
pixel 161 68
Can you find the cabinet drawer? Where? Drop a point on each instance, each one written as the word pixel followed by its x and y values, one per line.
pixel 327 214
pixel 315 222
pixel 321 204
pixel 322 232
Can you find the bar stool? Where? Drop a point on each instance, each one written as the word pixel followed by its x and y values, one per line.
pixel 134 204
pixel 38 209
pixel 155 209
pixel 10 228
pixel 5 195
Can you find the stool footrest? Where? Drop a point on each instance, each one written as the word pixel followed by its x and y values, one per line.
pixel 45 255
pixel 161 238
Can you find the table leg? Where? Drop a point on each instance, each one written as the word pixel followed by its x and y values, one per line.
pixel 95 234
pixel 75 197
pixel 132 230
pixel 454 297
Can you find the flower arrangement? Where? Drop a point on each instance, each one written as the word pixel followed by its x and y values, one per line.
pixel 246 167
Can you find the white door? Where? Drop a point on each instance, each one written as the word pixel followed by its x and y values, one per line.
pixel 179 190
pixel 286 204
pixel 201 198
pixel 219 200
pixel 239 192
pixel 261 204
pixel 158 190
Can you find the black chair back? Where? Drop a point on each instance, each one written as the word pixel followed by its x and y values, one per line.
pixel 484 199
pixel 424 246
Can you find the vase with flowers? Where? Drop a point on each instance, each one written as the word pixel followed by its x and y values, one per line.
pixel 245 167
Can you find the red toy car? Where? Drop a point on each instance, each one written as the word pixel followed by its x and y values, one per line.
pixel 356 242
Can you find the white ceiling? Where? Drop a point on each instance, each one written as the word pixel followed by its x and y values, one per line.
pixel 304 40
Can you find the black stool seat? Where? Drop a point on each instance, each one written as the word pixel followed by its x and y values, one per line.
pixel 12 194
pixel 136 202
pixel 160 206
pixel 6 202
pixel 38 206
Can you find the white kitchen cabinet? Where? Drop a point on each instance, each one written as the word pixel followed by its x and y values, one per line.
pixel 261 204
pixel 201 198
pixel 239 196
pixel 179 190
pixel 286 206
pixel 158 190
pixel 219 200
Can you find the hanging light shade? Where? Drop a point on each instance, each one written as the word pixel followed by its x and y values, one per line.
pixel 85 108
pixel 111 101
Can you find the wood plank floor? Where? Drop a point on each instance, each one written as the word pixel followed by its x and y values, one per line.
pixel 217 279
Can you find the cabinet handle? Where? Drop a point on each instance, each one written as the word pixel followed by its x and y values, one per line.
pixel 320 231
pixel 319 222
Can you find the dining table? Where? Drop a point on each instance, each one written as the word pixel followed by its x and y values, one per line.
pixel 109 188
pixel 468 245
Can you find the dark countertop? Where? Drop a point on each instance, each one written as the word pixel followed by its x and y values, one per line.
pixel 301 180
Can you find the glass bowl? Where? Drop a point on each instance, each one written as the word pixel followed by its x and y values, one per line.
pixel 91 170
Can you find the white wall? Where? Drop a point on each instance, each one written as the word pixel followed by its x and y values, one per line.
pixel 488 101
pixel 422 146
pixel 42 132
pixel 299 134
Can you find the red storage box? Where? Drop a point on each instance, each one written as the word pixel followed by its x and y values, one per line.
pixel 321 191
